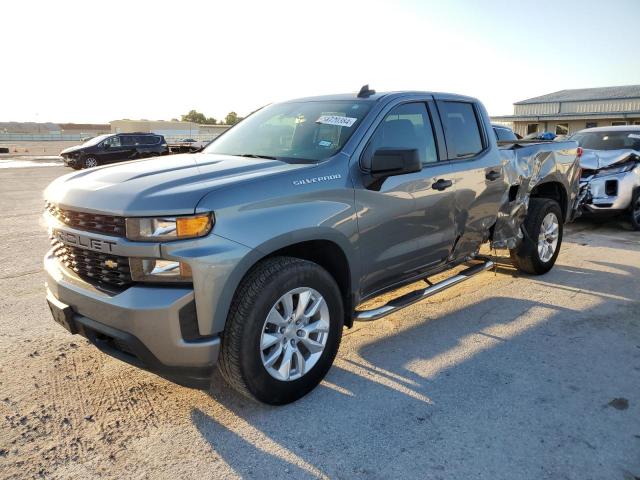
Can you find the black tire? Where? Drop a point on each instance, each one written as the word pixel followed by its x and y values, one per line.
pixel 634 210
pixel 87 162
pixel 526 257
pixel 240 360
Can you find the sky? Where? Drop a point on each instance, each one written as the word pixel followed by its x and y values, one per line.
pixel 96 61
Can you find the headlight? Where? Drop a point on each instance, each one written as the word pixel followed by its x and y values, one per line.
pixel 159 270
pixel 624 167
pixel 169 228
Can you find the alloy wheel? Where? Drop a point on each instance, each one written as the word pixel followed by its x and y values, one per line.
pixel 294 334
pixel 548 237
pixel 635 209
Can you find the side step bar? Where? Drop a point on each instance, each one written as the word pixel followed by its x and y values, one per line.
pixel 417 295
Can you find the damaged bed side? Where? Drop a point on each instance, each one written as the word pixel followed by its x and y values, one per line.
pixel 545 169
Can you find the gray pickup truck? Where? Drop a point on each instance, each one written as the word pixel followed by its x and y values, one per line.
pixel 257 252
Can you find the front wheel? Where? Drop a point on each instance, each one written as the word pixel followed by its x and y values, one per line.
pixel 538 251
pixel 635 209
pixel 283 330
pixel 90 162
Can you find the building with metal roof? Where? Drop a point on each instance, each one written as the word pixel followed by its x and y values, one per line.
pixel 569 111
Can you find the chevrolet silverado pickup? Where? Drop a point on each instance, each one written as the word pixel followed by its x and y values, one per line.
pixel 256 253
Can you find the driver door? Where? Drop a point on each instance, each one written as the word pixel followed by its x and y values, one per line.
pixel 111 149
pixel 406 222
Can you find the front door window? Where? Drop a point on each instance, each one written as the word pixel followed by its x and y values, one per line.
pixel 112 141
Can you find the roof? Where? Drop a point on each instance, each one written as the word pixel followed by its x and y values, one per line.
pixel 85 126
pixel 337 97
pixel 614 128
pixel 568 116
pixel 29 127
pixel 585 94
pixel 380 95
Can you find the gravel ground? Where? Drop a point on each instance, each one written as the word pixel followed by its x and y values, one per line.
pixel 503 377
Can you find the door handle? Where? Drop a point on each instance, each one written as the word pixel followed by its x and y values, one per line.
pixel 493 175
pixel 441 184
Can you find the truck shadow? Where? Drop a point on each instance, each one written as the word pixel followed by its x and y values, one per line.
pixel 446 396
pixel 615 223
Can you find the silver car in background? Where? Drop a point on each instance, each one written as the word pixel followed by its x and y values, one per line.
pixel 610 162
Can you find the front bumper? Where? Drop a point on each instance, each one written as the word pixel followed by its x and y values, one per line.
pixel 610 193
pixel 140 325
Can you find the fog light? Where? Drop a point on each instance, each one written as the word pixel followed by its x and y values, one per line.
pixel 159 270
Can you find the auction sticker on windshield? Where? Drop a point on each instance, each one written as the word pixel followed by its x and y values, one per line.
pixel 337 120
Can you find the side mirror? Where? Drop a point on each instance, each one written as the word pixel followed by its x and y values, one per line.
pixel 388 162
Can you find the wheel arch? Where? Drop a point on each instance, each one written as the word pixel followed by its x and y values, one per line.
pixel 330 256
pixel 554 190
pixel 330 253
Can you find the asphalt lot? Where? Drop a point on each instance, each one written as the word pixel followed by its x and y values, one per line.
pixel 503 377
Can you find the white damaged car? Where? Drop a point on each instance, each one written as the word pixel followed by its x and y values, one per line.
pixel 610 162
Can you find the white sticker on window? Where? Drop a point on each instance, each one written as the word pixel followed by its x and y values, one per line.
pixel 337 120
pixel 634 135
pixel 324 143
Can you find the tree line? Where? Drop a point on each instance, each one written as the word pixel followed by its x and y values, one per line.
pixel 200 118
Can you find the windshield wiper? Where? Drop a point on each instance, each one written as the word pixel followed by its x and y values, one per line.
pixel 268 157
pixel 253 155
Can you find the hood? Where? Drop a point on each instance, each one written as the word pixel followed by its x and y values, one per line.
pixel 75 148
pixel 167 185
pixel 597 159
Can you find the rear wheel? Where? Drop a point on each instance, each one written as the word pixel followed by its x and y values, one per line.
pixel 635 209
pixel 283 330
pixel 538 251
pixel 90 162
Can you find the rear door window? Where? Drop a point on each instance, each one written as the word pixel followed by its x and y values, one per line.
pixel 127 140
pixel 461 129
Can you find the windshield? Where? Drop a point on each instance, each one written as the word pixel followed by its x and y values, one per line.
pixel 95 140
pixel 295 132
pixel 613 140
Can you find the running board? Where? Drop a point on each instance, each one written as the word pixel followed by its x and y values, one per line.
pixel 417 295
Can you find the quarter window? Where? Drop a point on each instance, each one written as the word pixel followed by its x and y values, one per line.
pixel 461 129
pixel 407 126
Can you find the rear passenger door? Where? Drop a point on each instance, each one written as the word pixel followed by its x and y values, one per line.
pixel 128 148
pixel 476 171
pixel 406 221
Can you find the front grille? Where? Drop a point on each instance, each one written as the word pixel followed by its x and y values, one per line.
pixel 89 222
pixel 97 268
